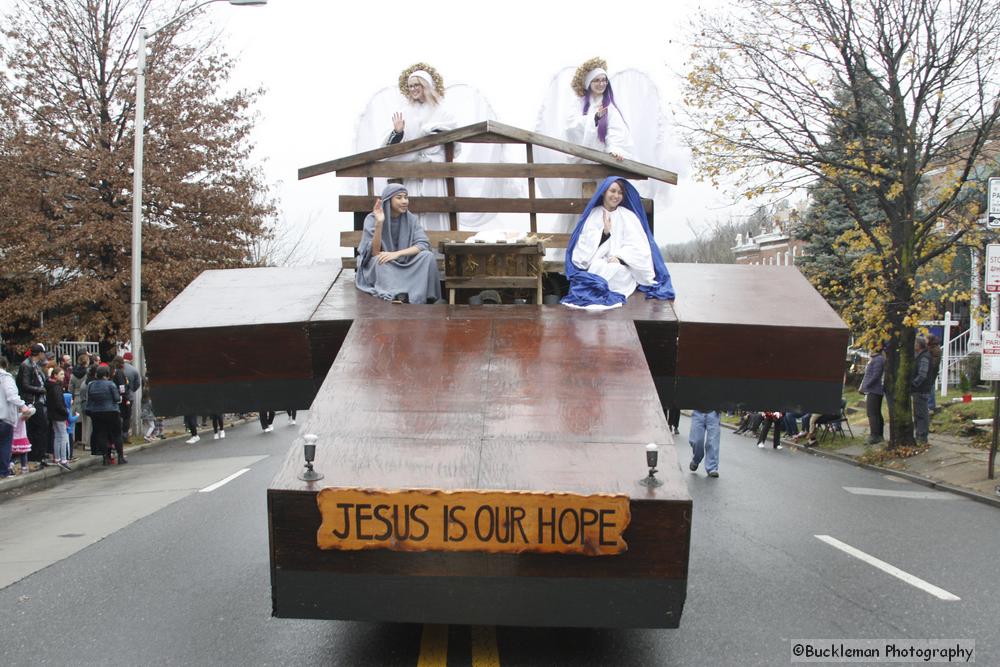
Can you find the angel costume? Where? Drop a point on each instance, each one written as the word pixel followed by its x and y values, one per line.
pixel 414 275
pixel 595 282
pixel 608 136
pixel 423 119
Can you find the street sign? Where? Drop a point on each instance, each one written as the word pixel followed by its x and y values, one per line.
pixel 993 267
pixel 990 367
pixel 993 204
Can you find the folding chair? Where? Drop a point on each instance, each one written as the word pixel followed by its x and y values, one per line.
pixel 836 427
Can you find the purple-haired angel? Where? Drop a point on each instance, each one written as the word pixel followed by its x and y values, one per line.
pixel 598 123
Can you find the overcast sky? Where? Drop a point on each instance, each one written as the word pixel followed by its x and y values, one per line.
pixel 320 61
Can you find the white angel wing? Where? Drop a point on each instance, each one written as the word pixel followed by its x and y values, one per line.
pixel 641 104
pixel 468 105
pixel 372 129
pixel 560 103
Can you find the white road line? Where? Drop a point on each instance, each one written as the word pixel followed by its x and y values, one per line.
pixel 939 593
pixel 888 493
pixel 213 487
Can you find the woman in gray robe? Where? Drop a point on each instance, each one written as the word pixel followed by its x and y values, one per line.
pixel 395 256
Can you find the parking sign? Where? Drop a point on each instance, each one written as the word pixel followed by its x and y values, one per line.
pixel 993 204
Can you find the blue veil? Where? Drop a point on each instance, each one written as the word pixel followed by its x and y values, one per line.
pixel 587 289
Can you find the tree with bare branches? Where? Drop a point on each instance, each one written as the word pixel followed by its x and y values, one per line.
pixel 67 97
pixel 771 79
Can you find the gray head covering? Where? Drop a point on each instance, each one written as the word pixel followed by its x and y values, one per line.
pixel 390 191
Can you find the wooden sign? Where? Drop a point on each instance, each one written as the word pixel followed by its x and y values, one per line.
pixel 491 521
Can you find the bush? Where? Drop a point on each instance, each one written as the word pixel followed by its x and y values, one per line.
pixel 963 383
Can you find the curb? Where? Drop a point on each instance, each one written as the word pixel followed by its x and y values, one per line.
pixel 51 472
pixel 909 476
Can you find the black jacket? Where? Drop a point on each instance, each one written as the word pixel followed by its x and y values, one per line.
pixel 30 382
pixel 57 404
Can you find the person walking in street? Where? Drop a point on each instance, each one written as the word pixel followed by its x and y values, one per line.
pixel 266 420
pixel 871 387
pixel 704 440
pixel 674 419
pixel 191 424
pixel 920 388
pixel 291 416
pixel 11 409
pixel 218 427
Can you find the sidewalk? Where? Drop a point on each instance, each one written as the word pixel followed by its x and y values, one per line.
pixel 173 429
pixel 949 464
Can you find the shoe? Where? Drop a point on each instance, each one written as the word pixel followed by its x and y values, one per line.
pixel 122 461
pixel 692 466
pixel 291 422
pixel 193 439
pixel 812 443
pixel 64 465
pixel 778 447
pixel 222 435
pixel 268 429
pixel 713 473
pixel 761 445
pixel 215 436
pixel 875 441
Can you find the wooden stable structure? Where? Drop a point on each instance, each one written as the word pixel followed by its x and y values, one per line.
pixel 378 163
pixel 489 417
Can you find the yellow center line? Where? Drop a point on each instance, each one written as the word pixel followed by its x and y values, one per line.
pixel 433 646
pixel 484 646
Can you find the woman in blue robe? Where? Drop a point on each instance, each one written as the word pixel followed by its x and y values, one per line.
pixel 612 252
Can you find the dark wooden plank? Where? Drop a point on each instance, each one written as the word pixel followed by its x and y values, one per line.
pixel 519 601
pixel 248 297
pixel 483 170
pixel 353 239
pixel 530 157
pixel 481 131
pixel 449 157
pixel 205 350
pixel 491 248
pixel 394 150
pixel 350 203
pixel 756 337
pixel 490 282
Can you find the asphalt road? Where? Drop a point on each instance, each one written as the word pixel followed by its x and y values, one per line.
pixel 136 565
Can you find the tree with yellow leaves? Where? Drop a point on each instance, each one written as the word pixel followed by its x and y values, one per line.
pixel 770 78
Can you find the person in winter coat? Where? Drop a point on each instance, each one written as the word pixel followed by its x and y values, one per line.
pixel 58 416
pixel 11 409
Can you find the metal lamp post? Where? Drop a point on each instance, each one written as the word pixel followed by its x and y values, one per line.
pixel 140 121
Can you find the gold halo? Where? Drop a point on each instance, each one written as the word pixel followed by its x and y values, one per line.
pixel 583 70
pixel 405 77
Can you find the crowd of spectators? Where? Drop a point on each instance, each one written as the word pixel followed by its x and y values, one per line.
pixel 50 404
